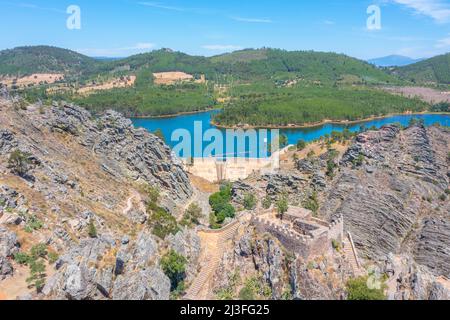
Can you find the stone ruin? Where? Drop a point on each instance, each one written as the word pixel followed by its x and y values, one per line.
pixel 300 232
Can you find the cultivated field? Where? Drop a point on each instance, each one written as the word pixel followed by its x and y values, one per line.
pixel 31 80
pixel 169 78
pixel 112 84
pixel 426 94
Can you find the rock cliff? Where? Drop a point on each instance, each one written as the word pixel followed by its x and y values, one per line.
pixel 64 172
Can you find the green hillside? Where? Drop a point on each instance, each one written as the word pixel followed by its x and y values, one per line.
pixel 265 106
pixel 434 70
pixel 245 65
pixel 43 59
pixel 257 87
pixel 310 65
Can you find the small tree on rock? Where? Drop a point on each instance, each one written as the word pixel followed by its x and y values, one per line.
pixel 92 230
pixel 19 162
pixel 282 206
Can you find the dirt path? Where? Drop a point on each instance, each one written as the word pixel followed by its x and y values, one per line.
pixel 134 198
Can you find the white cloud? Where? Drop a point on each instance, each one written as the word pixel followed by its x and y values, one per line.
pixel 329 22
pixel 435 9
pixel 161 6
pixel 221 47
pixel 33 7
pixel 252 20
pixel 115 52
pixel 443 43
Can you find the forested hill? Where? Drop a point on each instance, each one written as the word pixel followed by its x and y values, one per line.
pixel 245 65
pixel 310 65
pixel 44 59
pixel 434 70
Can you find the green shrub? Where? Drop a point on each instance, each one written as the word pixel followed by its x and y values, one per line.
pixel 357 289
pixel 159 134
pixel 92 230
pixel 38 251
pixel 249 201
pixel 267 202
pixel 153 195
pixel 52 257
pixel 312 203
pixel 174 266
pixel 32 223
pixel 255 288
pixel 192 215
pixel 19 162
pixel 301 145
pixel 246 293
pixel 282 205
pixel 336 245
pixel 221 206
pixel 37 275
pixel 22 258
pixel 359 161
pixel 163 223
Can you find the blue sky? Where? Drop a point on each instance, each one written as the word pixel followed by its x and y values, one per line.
pixel 416 28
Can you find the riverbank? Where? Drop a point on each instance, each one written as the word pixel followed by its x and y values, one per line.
pixel 325 122
pixel 186 113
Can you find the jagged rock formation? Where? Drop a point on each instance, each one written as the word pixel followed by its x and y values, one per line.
pixel 78 171
pixel 93 270
pixel 126 151
pixel 8 246
pixel 287 276
pixel 391 187
pixel 395 202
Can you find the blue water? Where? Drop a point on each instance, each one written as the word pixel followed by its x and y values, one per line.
pixel 169 125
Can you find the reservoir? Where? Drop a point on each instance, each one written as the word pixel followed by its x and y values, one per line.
pixel 170 125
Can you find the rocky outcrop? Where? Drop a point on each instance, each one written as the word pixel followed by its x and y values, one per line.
pixel 102 269
pixel 148 284
pixel 392 202
pixel 321 279
pixel 4 94
pixel 290 183
pixel 268 257
pixel 88 200
pixel 240 190
pixel 124 150
pixel 406 280
pixel 187 243
pixel 433 246
pixel 8 247
pixel 7 141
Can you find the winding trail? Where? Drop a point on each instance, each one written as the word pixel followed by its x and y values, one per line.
pixel 213 244
pixel 135 197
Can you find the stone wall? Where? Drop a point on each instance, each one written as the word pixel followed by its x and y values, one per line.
pixel 291 240
pixel 336 229
pixel 306 244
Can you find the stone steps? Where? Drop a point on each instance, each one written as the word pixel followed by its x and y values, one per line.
pixel 214 251
pixel 350 255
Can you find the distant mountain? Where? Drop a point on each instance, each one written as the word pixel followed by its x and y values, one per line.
pixel 108 58
pixel 42 59
pixel 433 70
pixel 393 61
